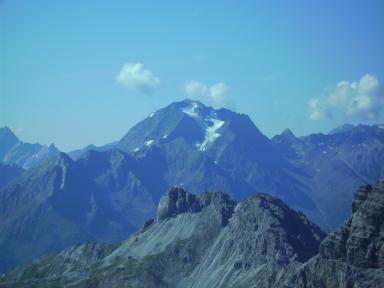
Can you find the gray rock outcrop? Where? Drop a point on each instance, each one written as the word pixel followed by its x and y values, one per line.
pixel 352 256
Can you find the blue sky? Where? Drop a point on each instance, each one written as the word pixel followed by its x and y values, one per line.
pixel 281 62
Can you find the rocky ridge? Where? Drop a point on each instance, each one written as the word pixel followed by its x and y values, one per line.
pixel 207 240
pixel 353 255
pixel 210 240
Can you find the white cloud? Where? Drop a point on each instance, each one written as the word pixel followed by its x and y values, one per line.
pixel 137 77
pixel 196 89
pixel 361 100
pixel 316 112
pixel 215 95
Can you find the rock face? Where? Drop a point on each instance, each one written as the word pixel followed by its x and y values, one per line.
pixel 207 240
pixel 360 240
pixel 175 202
pixel 352 256
pixel 178 201
pixel 8 173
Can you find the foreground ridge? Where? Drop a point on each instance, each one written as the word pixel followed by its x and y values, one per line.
pixel 209 240
pixel 353 255
pixel 205 240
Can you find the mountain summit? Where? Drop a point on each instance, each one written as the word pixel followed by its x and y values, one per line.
pixel 200 126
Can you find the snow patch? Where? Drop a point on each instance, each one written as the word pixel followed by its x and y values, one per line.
pixel 192 110
pixel 211 133
pixel 149 142
pixel 63 176
pixel 151 115
pixel 210 124
pixel 136 149
pixel 165 136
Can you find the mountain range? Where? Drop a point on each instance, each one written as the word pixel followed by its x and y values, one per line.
pixel 210 240
pixel 14 152
pixel 106 195
pixel 336 163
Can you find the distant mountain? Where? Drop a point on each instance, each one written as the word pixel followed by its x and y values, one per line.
pixel 199 241
pixel 337 164
pixel 24 155
pixel 8 173
pixel 76 154
pixel 52 206
pixel 210 240
pixel 203 149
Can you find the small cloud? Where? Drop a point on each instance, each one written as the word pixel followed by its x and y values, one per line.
pixel 361 100
pixel 316 112
pixel 215 95
pixel 136 76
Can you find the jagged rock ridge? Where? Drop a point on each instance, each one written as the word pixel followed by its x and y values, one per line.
pixel 353 255
pixel 263 243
